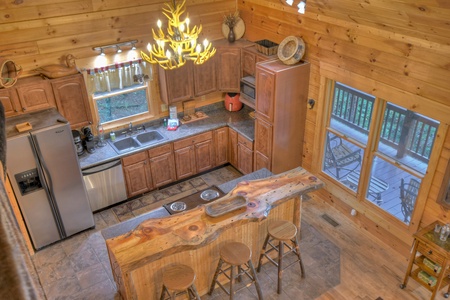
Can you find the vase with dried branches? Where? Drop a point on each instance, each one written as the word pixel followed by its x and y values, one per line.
pixel 231 20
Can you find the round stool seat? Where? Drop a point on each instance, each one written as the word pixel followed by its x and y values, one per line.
pixel 178 277
pixel 235 253
pixel 282 230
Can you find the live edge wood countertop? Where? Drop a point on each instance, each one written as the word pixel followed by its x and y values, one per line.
pixel 194 238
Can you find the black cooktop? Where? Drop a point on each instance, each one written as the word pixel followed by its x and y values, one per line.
pixel 207 195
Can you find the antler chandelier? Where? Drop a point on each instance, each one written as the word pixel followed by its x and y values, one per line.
pixel 172 49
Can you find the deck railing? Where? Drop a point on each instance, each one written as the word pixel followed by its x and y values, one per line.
pixel 408 132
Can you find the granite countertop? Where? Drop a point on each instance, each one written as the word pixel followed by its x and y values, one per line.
pixel 218 117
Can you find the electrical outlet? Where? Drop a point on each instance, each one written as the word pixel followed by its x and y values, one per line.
pixel 163 107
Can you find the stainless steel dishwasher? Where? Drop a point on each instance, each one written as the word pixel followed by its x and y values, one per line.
pixel 105 184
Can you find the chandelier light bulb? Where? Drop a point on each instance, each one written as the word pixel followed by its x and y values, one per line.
pixel 181 27
pixel 149 47
pixel 193 43
pixel 198 49
pixel 187 21
pixel 179 50
pixel 205 43
pixel 159 24
pixel 168 54
pixel 301 7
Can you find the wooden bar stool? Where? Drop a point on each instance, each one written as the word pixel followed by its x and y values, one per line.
pixel 235 255
pixel 179 279
pixel 281 231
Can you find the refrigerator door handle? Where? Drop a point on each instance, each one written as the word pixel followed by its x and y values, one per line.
pixel 46 181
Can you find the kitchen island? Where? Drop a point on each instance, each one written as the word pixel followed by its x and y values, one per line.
pixel 194 237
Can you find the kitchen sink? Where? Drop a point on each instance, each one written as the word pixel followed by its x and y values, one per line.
pixel 131 143
pixel 126 144
pixel 149 137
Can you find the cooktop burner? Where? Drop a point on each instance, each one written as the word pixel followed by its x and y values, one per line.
pixel 189 202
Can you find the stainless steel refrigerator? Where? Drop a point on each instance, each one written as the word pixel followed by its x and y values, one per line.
pixel 42 165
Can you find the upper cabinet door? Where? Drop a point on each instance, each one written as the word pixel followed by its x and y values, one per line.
pixel 265 93
pixel 205 80
pixel 36 96
pixel 72 100
pixel 177 84
pixel 229 69
pixel 10 102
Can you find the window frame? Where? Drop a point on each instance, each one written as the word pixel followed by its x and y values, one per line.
pixel 124 121
pixel 330 74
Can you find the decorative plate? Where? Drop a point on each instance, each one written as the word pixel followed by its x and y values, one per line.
pixel 239 29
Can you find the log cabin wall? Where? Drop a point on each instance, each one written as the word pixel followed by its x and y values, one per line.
pixel 401 43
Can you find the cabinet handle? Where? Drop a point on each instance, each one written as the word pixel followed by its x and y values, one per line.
pixel 24 109
pixel 430 252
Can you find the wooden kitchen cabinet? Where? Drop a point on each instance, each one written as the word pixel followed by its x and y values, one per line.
pixel 241 152
pixel 34 93
pixel 233 153
pixel 194 154
pixel 162 165
pixel 429 260
pixel 176 85
pixel 279 132
pixel 221 146
pixel 10 101
pixel 245 154
pixel 250 57
pixel 229 68
pixel 187 82
pixel 137 173
pixel 205 79
pixel 72 100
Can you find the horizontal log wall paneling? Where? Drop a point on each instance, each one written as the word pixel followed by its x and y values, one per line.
pixel 39 33
pixel 403 44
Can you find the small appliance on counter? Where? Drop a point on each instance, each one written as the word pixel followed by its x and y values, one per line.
pixel 77 141
pixel 232 102
pixel 88 141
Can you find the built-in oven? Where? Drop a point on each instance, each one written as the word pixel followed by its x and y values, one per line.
pixel 248 90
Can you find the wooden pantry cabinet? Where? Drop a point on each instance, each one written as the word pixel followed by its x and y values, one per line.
pixel 250 57
pixel 194 155
pixel 281 103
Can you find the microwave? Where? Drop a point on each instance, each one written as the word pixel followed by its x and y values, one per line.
pixel 248 90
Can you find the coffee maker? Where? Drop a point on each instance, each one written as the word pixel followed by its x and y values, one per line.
pixel 88 142
pixel 77 141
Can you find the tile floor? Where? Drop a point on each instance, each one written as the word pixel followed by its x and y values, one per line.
pixel 78 267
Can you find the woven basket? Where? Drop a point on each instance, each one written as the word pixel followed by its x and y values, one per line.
pixel 9 73
pixel 291 50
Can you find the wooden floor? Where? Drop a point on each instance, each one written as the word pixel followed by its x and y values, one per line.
pixel 369 269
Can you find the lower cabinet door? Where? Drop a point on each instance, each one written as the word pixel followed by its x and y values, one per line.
pixel 185 162
pixel 138 178
pixel 163 169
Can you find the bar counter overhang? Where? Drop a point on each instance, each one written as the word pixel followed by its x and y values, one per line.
pixel 194 237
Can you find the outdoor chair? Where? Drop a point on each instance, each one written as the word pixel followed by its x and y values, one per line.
pixel 340 160
pixel 408 195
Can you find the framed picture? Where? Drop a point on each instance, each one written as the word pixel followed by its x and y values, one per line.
pixel 444 194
